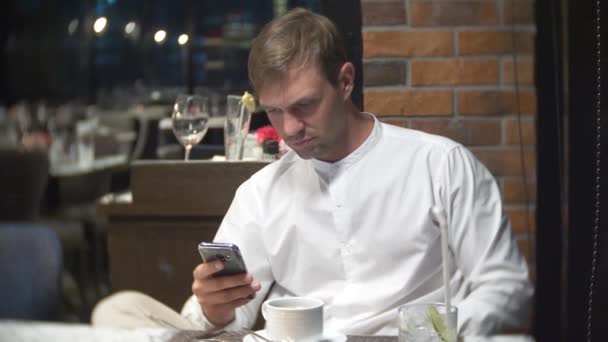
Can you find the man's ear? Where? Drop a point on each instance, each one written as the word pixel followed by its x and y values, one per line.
pixel 346 79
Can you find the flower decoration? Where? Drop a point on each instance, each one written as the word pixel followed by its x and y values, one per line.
pixel 266 133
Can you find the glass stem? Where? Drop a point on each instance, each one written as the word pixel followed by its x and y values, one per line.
pixel 188 148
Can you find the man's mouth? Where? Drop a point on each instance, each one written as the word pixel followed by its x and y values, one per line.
pixel 301 142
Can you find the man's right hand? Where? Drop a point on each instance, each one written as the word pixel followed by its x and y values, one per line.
pixel 220 296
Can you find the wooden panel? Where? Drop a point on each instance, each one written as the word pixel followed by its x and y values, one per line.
pixel 157 258
pixel 197 187
pixel 152 238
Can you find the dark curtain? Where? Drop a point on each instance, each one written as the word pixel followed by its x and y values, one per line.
pixel 587 308
pixel 571 245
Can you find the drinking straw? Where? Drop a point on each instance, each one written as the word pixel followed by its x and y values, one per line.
pixel 443 229
pixel 240 138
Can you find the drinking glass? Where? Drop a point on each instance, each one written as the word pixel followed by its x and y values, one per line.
pixel 236 127
pixel 190 119
pixel 428 322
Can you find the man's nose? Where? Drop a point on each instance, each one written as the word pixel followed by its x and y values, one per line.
pixel 292 125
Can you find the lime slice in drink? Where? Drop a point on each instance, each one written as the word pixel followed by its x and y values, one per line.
pixel 438 323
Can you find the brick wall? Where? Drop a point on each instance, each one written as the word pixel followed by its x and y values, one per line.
pixel 447 67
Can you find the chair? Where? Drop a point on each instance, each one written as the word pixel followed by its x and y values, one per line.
pixel 23 180
pixel 31 266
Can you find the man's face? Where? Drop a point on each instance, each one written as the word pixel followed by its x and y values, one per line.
pixel 309 112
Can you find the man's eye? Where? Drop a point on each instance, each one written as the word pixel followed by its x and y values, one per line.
pixel 304 106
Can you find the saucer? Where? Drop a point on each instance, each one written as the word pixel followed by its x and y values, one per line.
pixel 328 336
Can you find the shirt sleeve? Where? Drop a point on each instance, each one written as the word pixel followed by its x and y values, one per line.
pixel 240 226
pixel 484 249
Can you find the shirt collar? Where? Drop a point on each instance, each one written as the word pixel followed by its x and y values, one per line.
pixel 326 169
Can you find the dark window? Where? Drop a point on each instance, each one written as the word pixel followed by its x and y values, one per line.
pixel 51 52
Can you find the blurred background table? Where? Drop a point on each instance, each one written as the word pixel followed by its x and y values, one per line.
pixel 154 230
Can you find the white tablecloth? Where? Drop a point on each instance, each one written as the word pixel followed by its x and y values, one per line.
pixel 21 331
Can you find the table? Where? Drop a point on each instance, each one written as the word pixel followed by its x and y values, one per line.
pixel 99 164
pixel 153 232
pixel 69 208
pixel 27 331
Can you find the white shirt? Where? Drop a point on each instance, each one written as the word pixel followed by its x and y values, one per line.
pixel 359 235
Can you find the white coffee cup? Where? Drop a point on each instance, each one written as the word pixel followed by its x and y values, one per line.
pixel 293 318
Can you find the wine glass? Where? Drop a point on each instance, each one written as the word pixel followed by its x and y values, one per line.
pixel 190 119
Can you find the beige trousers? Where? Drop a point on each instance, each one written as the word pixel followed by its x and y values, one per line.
pixel 131 309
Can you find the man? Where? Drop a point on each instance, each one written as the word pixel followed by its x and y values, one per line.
pixel 347 215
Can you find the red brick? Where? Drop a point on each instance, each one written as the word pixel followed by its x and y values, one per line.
pixel 408 102
pixel 532 277
pixel 507 161
pixel 443 127
pixel 454 72
pixel 518 12
pixel 392 121
pixel 496 102
pixel 407 43
pixel 528 131
pixel 378 73
pixel 453 13
pixel 494 42
pixel 514 190
pixel 383 12
pixel 527 247
pixel 523 221
pixel 466 132
pixel 525 71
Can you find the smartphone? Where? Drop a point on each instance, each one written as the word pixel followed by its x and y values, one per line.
pixel 228 253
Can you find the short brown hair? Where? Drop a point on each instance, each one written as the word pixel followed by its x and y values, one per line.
pixel 299 36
